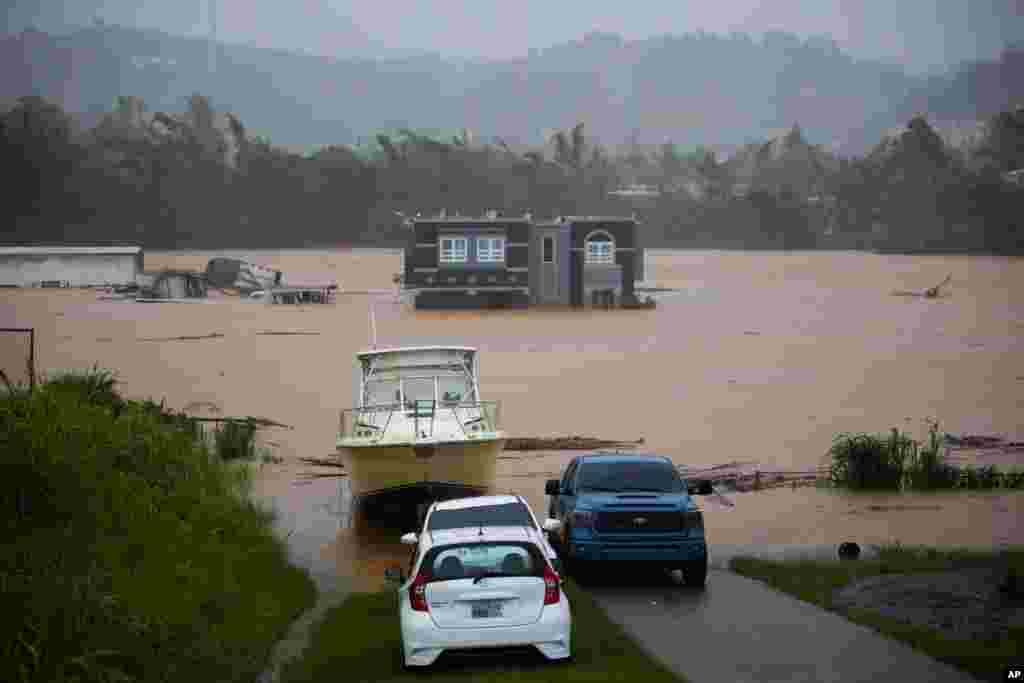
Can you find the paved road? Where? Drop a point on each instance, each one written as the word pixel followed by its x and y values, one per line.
pixel 738 630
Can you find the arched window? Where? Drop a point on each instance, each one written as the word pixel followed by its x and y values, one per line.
pixel 600 248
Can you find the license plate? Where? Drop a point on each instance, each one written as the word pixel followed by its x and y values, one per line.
pixel 486 609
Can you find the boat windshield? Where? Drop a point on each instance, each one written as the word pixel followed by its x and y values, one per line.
pixel 396 388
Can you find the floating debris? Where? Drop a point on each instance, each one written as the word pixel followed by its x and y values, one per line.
pixel 323 462
pixel 930 293
pixel 214 335
pixel 253 421
pixel 981 441
pixel 565 443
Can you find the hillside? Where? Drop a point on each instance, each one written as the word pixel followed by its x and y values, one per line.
pixel 695 89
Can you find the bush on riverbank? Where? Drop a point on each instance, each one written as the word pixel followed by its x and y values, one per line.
pixel 129 550
pixel 898 462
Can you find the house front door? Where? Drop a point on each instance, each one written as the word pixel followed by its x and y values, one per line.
pixel 550 282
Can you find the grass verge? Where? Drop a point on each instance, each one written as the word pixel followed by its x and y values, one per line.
pixel 360 641
pixel 128 550
pixel 815 582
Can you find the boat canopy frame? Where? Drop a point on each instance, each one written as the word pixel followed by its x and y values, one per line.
pixel 468 365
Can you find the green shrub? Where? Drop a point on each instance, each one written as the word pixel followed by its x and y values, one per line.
pixel 235 440
pixel 874 462
pixel 129 552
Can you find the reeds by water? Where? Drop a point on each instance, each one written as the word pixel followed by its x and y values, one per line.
pixel 897 462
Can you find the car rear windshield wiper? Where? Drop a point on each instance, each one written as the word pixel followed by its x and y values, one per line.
pixel 601 488
pixel 489 575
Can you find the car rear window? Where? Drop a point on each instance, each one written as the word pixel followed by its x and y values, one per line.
pixel 505 514
pixel 630 476
pixel 470 560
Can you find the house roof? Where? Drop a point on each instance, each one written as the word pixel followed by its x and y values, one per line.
pixel 66 251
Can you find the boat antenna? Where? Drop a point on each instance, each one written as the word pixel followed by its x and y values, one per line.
pixel 373 328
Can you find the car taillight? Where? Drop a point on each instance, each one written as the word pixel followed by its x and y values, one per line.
pixel 583 519
pixel 418 593
pixel 693 519
pixel 551 590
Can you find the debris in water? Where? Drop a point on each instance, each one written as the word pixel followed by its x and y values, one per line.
pixel 977 441
pixel 253 421
pixel 202 405
pixel 930 293
pixel 565 443
pixel 215 335
pixel 323 462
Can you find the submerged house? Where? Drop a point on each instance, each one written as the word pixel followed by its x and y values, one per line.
pixel 514 262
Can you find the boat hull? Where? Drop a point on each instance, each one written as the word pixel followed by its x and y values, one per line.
pixel 442 469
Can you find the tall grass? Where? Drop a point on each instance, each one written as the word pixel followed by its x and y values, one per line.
pixel 898 462
pixel 129 552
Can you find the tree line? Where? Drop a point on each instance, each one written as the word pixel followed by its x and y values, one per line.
pixel 199 179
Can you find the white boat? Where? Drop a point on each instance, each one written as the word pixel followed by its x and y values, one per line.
pixel 419 427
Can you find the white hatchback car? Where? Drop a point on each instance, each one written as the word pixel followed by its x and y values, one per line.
pixel 481 587
pixel 496 510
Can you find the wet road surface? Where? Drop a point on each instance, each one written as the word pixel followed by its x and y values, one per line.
pixel 738 630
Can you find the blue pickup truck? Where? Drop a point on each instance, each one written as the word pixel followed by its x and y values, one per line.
pixel 629 507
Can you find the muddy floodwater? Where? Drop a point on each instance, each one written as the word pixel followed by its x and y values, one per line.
pixel 758 359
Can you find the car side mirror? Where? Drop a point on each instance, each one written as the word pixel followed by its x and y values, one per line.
pixel 700 487
pixel 394 575
pixel 552 487
pixel 552 525
pixel 410 539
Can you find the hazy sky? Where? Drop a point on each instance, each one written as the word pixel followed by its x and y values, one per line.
pixel 920 33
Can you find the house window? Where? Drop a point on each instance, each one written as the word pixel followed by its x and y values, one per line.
pixel 549 249
pixel 453 250
pixel 490 250
pixel 600 248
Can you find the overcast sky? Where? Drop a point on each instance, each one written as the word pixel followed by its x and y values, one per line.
pixel 922 34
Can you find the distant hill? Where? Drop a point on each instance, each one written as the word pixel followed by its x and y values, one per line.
pixel 695 89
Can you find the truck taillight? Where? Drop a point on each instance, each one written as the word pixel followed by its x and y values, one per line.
pixel 418 593
pixel 693 519
pixel 583 519
pixel 551 590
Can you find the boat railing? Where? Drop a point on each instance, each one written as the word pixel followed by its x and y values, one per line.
pixel 419 419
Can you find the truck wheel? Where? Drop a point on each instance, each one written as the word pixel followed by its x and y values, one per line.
pixel 695 573
pixel 576 569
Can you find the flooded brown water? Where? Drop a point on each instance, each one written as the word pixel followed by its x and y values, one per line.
pixel 760 358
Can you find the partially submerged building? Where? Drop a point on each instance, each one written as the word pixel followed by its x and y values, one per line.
pixel 171 285
pixel 36 266
pixel 514 262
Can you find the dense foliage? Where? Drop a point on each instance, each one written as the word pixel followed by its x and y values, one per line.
pixel 130 552
pixel 199 179
pixel 897 462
